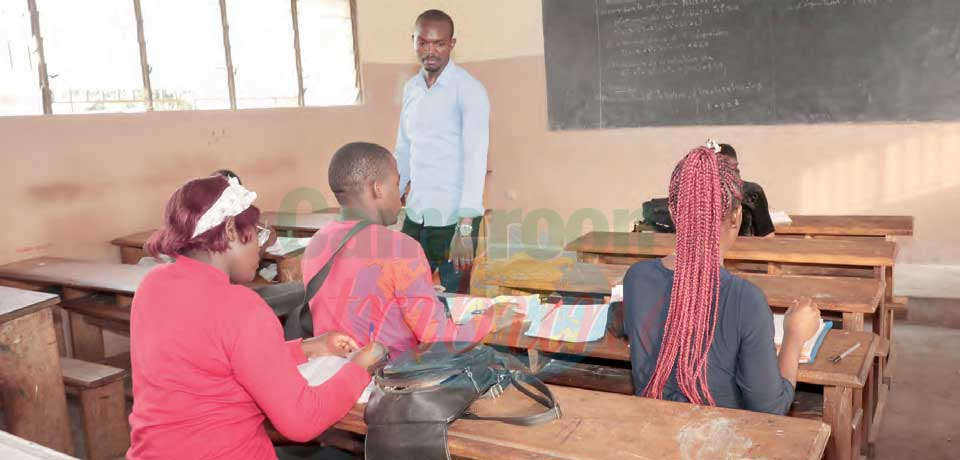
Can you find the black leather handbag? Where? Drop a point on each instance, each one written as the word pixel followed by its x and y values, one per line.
pixel 423 390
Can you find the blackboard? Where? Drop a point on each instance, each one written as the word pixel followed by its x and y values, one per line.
pixel 632 63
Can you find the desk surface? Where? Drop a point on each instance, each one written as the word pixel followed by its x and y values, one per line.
pixel 856 295
pixel 597 425
pixel 15 303
pixel 16 448
pixel 138 240
pixel 79 274
pixel 300 222
pixel 851 372
pixel 878 226
pixel 863 253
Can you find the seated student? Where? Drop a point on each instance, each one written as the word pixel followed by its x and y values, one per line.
pixel 379 284
pixel 209 360
pixel 228 174
pixel 756 212
pixel 698 333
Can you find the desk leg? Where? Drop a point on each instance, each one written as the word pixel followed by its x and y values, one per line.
pixel 869 408
pixel 853 322
pixel 31 385
pixel 838 413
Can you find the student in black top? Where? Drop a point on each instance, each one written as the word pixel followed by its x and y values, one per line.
pixel 756 212
pixel 698 333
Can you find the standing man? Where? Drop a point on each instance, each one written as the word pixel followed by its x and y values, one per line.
pixel 442 152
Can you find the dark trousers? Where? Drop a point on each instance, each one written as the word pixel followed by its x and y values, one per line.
pixel 436 245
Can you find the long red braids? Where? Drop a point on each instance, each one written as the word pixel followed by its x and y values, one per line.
pixel 704 189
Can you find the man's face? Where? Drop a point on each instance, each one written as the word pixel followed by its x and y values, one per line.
pixel 433 42
pixel 388 203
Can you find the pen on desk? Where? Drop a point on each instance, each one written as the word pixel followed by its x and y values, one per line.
pixel 838 358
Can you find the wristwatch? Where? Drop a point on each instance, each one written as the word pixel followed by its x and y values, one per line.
pixel 465 229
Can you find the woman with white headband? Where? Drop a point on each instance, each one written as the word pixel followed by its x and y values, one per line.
pixel 209 360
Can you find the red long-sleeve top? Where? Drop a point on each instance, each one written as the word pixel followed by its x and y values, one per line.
pixel 210 363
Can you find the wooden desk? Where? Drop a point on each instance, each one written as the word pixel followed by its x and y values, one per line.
pixel 852 297
pixel 598 425
pixel 94 292
pixel 884 227
pixel 300 225
pixel 288 264
pixel 34 398
pixel 876 255
pixel 844 383
pixel 15 448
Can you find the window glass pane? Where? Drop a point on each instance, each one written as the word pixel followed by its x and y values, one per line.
pixel 20 88
pixel 261 45
pixel 326 52
pixel 184 40
pixel 92 54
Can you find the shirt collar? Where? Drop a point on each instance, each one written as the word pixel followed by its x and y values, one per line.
pixel 193 267
pixel 445 75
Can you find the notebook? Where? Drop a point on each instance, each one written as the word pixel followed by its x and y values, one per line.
pixel 320 369
pixel 463 308
pixel 809 351
pixel 568 323
pixel 286 245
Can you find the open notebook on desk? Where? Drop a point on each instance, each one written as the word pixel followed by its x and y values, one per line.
pixel 463 308
pixel 809 351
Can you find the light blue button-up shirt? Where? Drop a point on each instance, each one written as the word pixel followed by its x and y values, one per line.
pixel 442 146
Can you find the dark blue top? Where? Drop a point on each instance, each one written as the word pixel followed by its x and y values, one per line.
pixel 742 368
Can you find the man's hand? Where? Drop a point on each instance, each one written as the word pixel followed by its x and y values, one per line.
pixel 461 252
pixel 331 343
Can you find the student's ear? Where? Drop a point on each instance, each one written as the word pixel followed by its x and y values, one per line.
pixel 453 43
pixel 737 218
pixel 231 229
pixel 377 189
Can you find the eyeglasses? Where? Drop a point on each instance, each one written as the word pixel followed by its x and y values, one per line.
pixel 263 235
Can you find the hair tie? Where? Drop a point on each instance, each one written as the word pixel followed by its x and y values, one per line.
pixel 712 145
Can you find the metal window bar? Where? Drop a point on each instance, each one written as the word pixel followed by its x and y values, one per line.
pixel 42 65
pixel 231 85
pixel 144 65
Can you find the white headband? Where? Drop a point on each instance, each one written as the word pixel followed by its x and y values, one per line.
pixel 234 200
pixel 713 145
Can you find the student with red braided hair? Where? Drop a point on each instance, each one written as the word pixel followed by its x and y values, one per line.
pixel 698 333
pixel 209 360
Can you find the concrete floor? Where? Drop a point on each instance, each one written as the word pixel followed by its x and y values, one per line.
pixel 922 419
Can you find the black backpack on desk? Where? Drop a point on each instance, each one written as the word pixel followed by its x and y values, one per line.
pixel 423 390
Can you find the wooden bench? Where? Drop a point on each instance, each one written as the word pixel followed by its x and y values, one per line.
pixel 103 407
pixel 597 425
pixel 34 401
pixel 16 448
pixel 847 386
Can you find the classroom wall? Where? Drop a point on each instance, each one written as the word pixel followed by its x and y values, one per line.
pixel 71 183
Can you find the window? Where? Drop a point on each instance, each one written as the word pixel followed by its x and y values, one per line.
pixel 92 55
pixel 20 91
pixel 327 52
pixel 264 60
pixel 184 43
pixel 69 56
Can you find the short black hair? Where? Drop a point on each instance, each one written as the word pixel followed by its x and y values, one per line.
pixel 435 16
pixel 728 150
pixel 228 174
pixel 355 165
